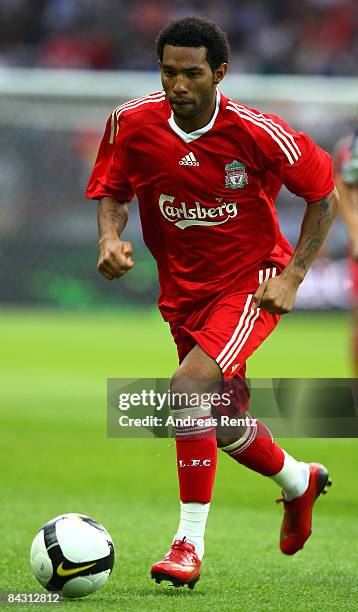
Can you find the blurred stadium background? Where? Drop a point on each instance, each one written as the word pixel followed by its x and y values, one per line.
pixel 64 66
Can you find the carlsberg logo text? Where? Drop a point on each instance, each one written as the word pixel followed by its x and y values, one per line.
pixel 183 215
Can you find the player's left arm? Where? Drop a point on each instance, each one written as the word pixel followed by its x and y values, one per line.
pixel 307 171
pixel 278 295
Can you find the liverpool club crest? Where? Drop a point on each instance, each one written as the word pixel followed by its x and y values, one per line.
pixel 236 175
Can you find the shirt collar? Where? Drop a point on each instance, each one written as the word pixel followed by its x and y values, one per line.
pixel 189 137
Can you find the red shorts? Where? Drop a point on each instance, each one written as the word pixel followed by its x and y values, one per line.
pixel 227 328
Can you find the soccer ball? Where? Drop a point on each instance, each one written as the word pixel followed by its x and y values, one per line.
pixel 72 554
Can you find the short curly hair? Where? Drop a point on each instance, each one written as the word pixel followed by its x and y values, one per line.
pixel 196 32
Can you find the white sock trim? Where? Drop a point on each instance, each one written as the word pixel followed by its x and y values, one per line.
pixel 293 478
pixel 192 523
pixel 237 443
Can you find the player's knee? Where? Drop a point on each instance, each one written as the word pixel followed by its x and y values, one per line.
pixel 182 385
pixel 188 388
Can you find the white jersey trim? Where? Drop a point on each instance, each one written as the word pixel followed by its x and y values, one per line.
pixel 154 97
pixel 137 104
pixel 155 94
pixel 275 134
pixel 189 137
pixel 277 127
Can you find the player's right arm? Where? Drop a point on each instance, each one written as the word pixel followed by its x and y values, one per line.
pixel 110 185
pixel 115 255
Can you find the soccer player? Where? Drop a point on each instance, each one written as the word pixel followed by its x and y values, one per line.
pixel 206 170
pixel 346 176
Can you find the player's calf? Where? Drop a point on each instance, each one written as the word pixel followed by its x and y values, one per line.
pixel 196 463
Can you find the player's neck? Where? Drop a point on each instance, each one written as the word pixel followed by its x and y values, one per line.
pixel 198 122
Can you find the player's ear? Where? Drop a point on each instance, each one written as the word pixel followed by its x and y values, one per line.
pixel 220 72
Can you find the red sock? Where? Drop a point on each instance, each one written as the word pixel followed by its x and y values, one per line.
pixel 197 457
pixel 258 451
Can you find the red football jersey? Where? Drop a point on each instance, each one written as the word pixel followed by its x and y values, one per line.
pixel 206 199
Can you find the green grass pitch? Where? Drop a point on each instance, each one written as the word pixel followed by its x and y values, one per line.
pixel 55 458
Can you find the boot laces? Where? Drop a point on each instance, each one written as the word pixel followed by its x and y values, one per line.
pixel 180 544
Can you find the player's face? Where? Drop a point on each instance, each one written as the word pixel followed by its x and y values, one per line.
pixel 190 83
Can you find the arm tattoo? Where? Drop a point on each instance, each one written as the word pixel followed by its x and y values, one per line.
pixel 112 217
pixel 115 212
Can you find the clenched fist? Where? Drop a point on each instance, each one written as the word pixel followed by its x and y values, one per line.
pixel 277 295
pixel 115 257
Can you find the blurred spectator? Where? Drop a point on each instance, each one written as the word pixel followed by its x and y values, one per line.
pixel 76 49
pixel 266 36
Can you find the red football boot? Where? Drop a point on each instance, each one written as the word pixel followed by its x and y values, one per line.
pixel 181 565
pixel 297 520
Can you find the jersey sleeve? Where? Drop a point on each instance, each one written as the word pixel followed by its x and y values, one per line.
pixel 109 175
pixel 302 166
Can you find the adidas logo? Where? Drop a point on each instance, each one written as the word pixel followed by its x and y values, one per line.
pixel 189 160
